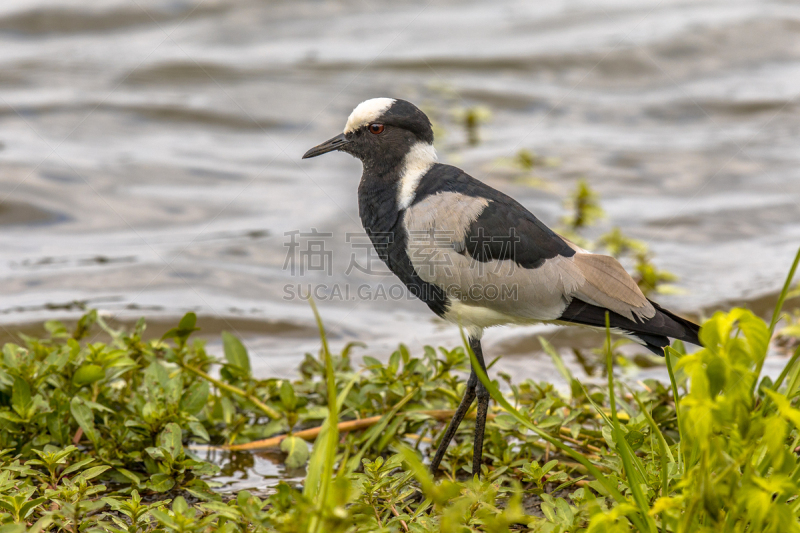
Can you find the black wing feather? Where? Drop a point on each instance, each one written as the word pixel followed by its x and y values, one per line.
pixel 504 230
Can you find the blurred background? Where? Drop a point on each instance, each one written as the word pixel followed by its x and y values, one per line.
pixel 150 153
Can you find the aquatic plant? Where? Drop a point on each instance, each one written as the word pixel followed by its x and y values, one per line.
pixel 471 118
pixel 584 210
pixel 103 436
pixel 648 276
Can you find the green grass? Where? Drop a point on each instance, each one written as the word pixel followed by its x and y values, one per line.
pixel 99 436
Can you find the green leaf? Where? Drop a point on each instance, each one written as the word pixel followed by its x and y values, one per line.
pixel 288 398
pixel 161 483
pixel 185 328
pixel 635 439
pixel 130 475
pixel 170 439
pixel 549 466
pixel 505 421
pixel 548 511
pixel 188 322
pixel 76 466
pixel 84 416
pixel 21 397
pixel 84 324
pixel 394 363
pixel 236 353
pixel 11 418
pixel 389 433
pixel 55 328
pixel 93 472
pixel 195 398
pixel 371 362
pixel 155 453
pixel 173 388
pixel 28 507
pixel 566 512
pixel 179 506
pixel 222 509
pixel 97 406
pixel 164 518
pixel 199 430
pixel 297 450
pixel 87 374
pixel 13 528
pixel 13 355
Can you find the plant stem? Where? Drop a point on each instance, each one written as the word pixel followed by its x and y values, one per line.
pixel 786 370
pixel 779 306
pixel 332 441
pixel 307 434
pixel 625 452
pixel 266 409
pixel 667 355
pixel 776 315
pixel 362 423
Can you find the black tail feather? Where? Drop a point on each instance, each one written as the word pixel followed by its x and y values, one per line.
pixel 691 330
pixel 654 333
pixel 654 343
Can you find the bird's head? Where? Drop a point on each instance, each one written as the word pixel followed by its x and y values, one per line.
pixel 381 132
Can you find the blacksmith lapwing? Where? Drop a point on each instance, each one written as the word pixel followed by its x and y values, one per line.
pixel 477 257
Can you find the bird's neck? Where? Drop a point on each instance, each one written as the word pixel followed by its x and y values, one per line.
pixel 388 186
pixel 377 199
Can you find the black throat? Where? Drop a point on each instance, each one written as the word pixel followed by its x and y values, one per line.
pixel 377 200
pixel 382 219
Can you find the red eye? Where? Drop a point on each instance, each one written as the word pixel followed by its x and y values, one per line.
pixel 376 128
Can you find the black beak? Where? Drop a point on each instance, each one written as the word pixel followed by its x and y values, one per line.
pixel 328 146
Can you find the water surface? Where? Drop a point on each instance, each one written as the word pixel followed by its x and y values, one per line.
pixel 150 151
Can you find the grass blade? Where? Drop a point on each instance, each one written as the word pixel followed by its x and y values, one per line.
pixel 623 448
pixel 779 305
pixel 329 440
pixel 786 369
pixel 776 314
pixel 669 352
pixel 664 452
pixel 557 361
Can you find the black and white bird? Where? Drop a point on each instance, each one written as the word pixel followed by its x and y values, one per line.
pixel 477 257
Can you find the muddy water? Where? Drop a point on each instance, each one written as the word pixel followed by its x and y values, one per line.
pixel 150 151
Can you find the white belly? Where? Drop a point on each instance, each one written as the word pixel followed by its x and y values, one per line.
pixel 473 315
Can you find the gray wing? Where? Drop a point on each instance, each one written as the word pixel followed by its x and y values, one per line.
pixel 495 255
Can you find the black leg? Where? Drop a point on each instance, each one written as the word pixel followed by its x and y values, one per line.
pixel 474 387
pixel 480 415
pixel 463 407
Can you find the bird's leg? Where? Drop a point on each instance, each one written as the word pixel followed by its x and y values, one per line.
pixel 463 407
pixel 480 415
